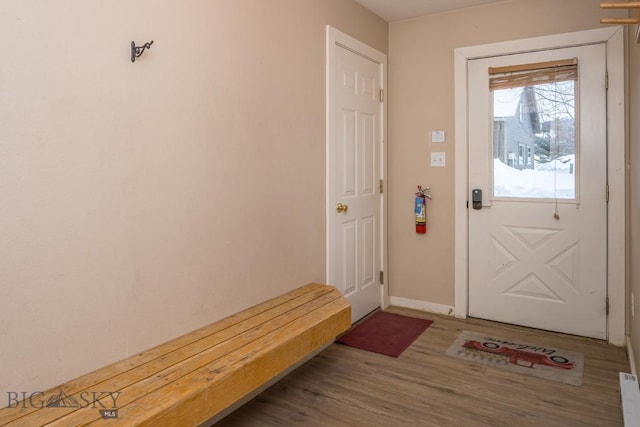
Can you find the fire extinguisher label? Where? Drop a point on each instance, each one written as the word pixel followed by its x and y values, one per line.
pixel 420 217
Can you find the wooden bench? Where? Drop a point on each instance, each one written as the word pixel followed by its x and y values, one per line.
pixel 193 378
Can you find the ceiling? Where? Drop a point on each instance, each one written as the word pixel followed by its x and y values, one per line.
pixel 395 10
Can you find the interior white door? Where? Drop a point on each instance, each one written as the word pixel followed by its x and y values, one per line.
pixel 538 245
pixel 354 169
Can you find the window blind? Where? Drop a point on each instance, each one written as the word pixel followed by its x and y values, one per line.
pixel 523 75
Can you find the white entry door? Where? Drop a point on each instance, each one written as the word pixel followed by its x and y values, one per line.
pixel 354 171
pixel 537 153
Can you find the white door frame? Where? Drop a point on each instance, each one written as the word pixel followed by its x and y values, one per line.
pixel 336 38
pixel 614 38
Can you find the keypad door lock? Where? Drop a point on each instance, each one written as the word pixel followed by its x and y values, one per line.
pixel 476 198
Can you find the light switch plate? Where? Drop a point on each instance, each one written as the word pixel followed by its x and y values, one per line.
pixel 438 159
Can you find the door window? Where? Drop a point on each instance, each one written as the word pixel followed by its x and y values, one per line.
pixel 534 130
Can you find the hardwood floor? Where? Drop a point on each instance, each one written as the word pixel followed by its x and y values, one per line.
pixel 343 386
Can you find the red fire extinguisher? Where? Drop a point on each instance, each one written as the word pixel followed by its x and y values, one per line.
pixel 421 209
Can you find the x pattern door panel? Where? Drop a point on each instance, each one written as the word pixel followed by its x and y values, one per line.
pixel 539 262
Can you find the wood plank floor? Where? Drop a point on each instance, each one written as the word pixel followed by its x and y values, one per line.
pixel 343 386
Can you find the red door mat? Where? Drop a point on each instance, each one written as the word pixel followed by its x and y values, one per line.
pixel 385 333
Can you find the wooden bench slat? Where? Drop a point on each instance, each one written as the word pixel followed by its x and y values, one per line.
pixel 197 397
pixel 209 354
pixel 160 377
pixel 99 376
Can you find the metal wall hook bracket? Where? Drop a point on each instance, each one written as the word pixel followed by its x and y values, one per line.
pixel 136 51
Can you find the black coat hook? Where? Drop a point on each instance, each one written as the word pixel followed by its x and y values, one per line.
pixel 136 51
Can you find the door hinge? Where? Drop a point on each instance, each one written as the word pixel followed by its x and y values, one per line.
pixel 607 303
pixel 381 277
pixel 381 187
pixel 381 95
pixel 606 80
pixel 607 193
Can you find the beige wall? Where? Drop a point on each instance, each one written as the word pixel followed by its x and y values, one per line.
pixel 421 85
pixel 634 189
pixel 140 201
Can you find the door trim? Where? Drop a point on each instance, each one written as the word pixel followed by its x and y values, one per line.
pixel 336 38
pixel 616 252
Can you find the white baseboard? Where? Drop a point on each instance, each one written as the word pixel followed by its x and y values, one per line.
pixel 422 305
pixel 632 360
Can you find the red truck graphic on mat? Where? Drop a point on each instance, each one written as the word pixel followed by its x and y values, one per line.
pixel 516 356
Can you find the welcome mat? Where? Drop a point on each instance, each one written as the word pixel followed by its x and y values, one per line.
pixel 385 333
pixel 546 362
